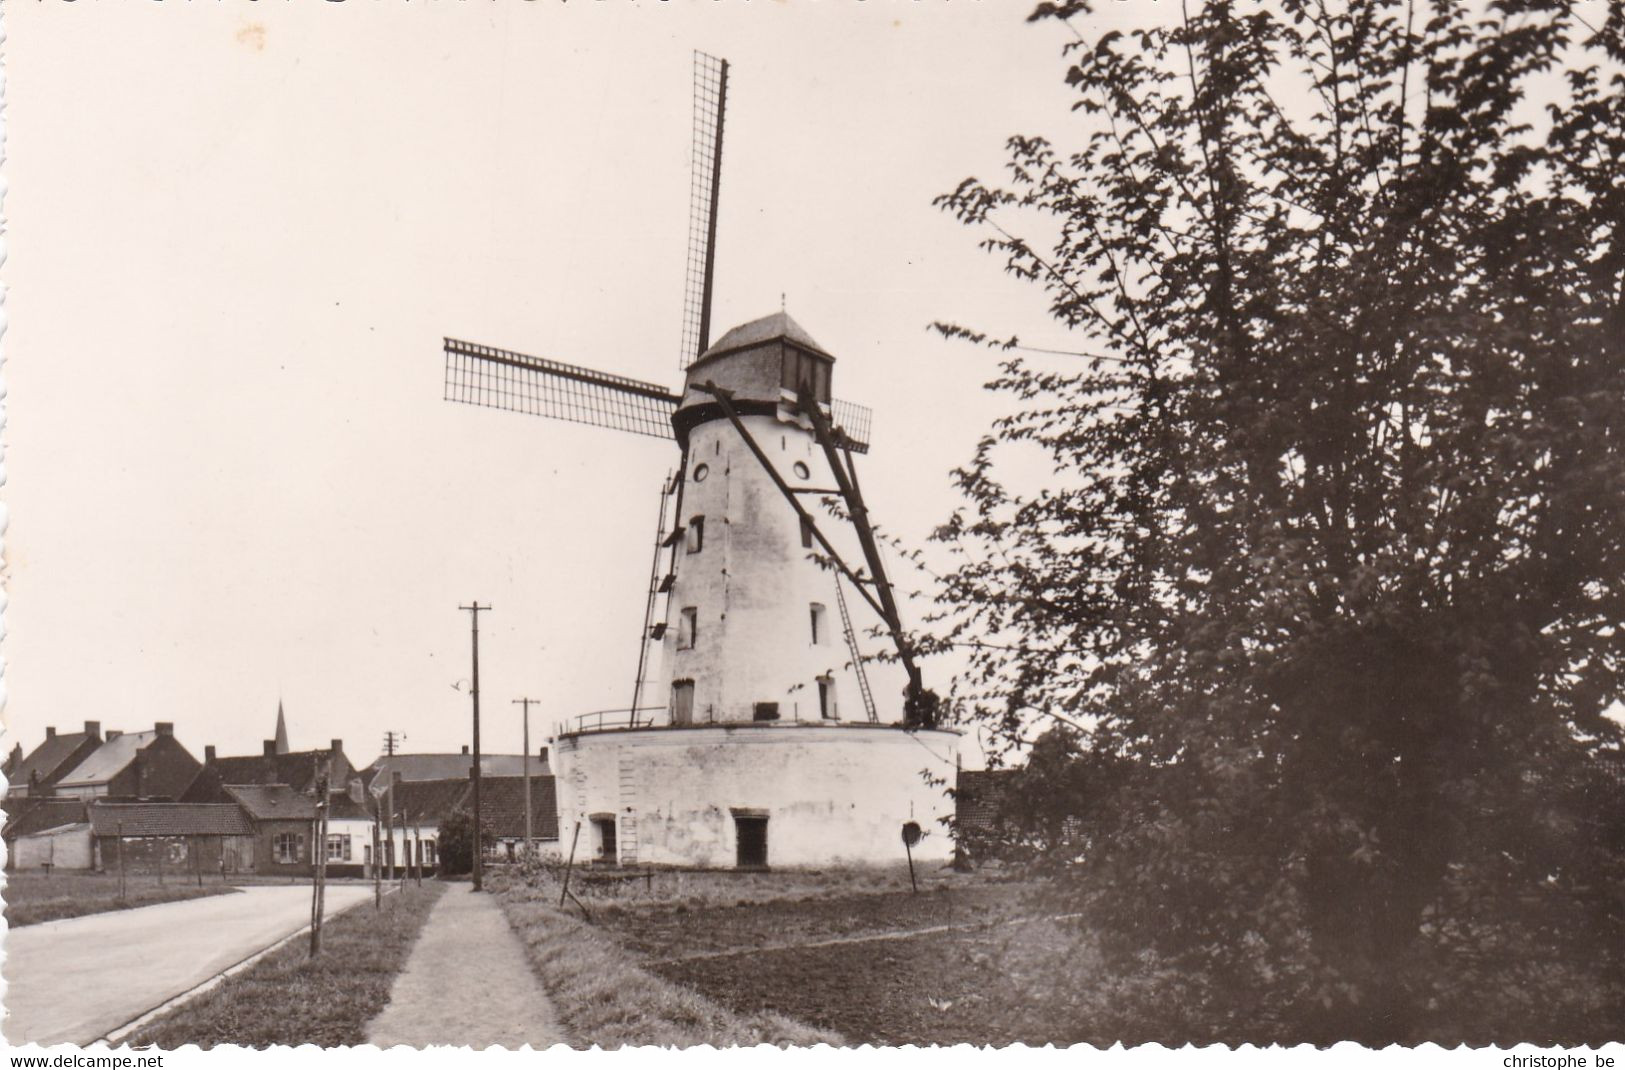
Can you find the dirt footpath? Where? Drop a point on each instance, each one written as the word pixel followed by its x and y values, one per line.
pixel 466 983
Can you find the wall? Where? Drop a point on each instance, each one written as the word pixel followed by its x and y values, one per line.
pixel 833 794
pixel 753 583
pixel 64 848
pixel 265 862
pixel 361 833
pixel 181 856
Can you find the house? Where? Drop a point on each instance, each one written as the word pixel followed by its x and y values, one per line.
pixel 502 813
pixel 296 769
pixel 40 831
pixel 285 832
pixel 37 773
pixel 453 766
pixel 146 765
pixel 186 839
pixel 413 833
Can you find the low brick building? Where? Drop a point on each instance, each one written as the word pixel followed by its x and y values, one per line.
pixel 185 839
pixel 46 831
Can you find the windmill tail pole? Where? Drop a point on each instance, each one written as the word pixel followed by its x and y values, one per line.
pixel 568 866
pixel 920 705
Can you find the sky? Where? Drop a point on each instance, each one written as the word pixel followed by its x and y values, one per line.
pixel 237 234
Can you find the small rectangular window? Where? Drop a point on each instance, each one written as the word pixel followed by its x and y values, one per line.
pixel 767 711
pixel 688 628
pixel 818 629
pixel 288 847
pixel 682 702
pixel 806 533
pixel 696 535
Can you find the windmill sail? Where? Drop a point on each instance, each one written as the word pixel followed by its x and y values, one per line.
pixel 705 173
pixel 503 379
pixel 852 421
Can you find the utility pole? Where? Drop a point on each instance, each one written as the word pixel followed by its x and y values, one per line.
pixel 377 858
pixel 525 702
pixel 474 612
pixel 390 740
pixel 319 892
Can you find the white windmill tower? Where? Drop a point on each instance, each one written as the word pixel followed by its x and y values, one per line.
pixel 769 731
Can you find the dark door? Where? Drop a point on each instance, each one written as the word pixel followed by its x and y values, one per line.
pixel 752 841
pixel 606 838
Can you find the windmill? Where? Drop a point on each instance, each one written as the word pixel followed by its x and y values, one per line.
pixel 742 621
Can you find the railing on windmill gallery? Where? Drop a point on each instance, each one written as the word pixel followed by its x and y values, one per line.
pixel 620 720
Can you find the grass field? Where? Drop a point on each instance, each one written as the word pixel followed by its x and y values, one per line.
pixel 32 898
pixel 289 998
pixel 852 953
pixel 603 998
pixel 968 962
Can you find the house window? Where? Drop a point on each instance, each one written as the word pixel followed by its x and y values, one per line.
pixel 338 847
pixel 806 533
pixel 288 847
pixel 428 852
pixel 818 631
pixel 766 711
pixel 688 628
pixel 696 535
pixel 682 702
pixel 826 698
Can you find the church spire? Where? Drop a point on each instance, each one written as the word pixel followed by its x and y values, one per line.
pixel 281 730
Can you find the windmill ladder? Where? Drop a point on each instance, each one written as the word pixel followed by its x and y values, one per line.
pixel 857 657
pixel 649 607
pixel 627 843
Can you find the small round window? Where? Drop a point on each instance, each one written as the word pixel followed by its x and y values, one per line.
pixel 801 470
pixel 700 472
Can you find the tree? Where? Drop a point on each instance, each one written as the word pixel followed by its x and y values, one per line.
pixel 456 843
pixel 1329 556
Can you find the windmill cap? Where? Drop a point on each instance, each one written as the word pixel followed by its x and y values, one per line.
pixel 777 327
pixel 755 364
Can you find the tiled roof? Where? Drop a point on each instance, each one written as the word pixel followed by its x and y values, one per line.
pixel 452 766
pixel 47 757
pixel 168 819
pixel 107 760
pixel 273 802
pixel 27 816
pixel 296 769
pixel 341 807
pixel 502 806
pixel 431 800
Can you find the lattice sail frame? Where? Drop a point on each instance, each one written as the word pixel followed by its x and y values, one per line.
pixel 705 172
pixel 516 382
pixel 854 421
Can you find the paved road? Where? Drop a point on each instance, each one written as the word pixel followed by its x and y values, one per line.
pixel 466 982
pixel 71 981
